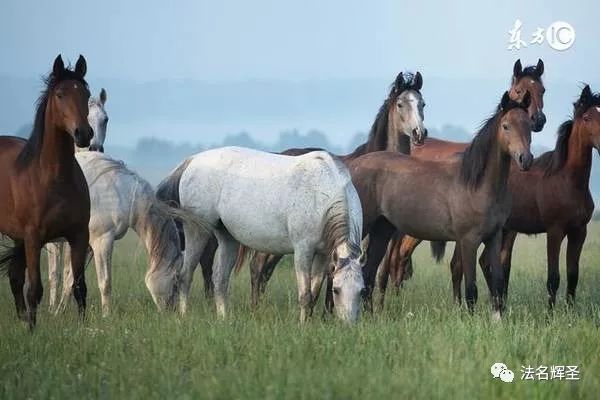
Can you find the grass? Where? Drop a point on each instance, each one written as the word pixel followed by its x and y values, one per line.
pixel 420 346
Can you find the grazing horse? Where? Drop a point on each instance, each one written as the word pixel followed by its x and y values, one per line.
pixel 121 199
pixel 399 118
pixel 44 195
pixel 304 205
pixel 464 199
pixel 554 197
pixel 398 262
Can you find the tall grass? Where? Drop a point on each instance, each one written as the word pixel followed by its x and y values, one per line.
pixel 420 346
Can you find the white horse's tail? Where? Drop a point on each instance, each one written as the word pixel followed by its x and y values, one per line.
pixel 168 190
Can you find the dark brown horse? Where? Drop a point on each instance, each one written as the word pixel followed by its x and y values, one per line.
pixel 399 118
pixel 465 198
pixel 554 197
pixel 44 194
pixel 398 264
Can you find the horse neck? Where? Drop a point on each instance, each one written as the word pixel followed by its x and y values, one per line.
pixel 156 231
pixel 497 169
pixel 57 153
pixel 579 156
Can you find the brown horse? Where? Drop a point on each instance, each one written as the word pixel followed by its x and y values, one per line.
pixel 44 194
pixel 554 197
pixel 465 199
pixel 399 118
pixel 398 264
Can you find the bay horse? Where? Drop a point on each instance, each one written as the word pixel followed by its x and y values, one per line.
pixel 304 205
pixel 554 197
pixel 465 200
pixel 399 120
pixel 398 262
pixel 44 194
pixel 122 200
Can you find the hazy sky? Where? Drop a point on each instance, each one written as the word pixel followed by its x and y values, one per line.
pixel 265 39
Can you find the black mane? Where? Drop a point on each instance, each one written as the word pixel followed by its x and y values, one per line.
pixel 474 160
pixel 33 146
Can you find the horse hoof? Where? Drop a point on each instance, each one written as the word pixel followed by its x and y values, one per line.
pixel 496 316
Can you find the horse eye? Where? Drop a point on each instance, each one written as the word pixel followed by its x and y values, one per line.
pixel 399 105
pixel 505 127
pixel 336 290
pixel 59 95
pixel 519 91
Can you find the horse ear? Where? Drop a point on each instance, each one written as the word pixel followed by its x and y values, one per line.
pixel 59 66
pixel 103 96
pixel 81 66
pixel 539 68
pixel 418 81
pixel 526 102
pixel 586 95
pixel 505 100
pixel 399 82
pixel 517 68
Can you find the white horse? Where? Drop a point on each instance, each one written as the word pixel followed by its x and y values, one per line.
pixel 305 205
pixel 121 199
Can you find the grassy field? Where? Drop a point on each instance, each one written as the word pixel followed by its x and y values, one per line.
pixel 421 346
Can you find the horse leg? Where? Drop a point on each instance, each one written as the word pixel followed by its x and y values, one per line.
pixel 103 248
pixel 508 242
pixel 67 280
pixel 493 247
pixel 379 236
pixel 303 259
pixel 554 238
pixel 224 261
pixel 383 272
pixel 329 295
pixel 317 274
pixel 206 263
pixel 33 248
pixel 257 263
pixel 53 254
pixel 457 272
pixel 79 247
pixel 468 260
pixel 405 264
pixel 194 246
pixel 16 275
pixel 575 238
pixel 486 268
pixel 267 271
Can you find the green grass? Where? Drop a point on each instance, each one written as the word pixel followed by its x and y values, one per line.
pixel 420 346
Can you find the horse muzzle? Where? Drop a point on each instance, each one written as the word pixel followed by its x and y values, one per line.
pixel 83 136
pixel 524 160
pixel 419 136
pixel 538 121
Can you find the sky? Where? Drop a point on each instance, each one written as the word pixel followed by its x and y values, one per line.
pixel 226 40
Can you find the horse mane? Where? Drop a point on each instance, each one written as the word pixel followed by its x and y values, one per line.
pixel 475 156
pixel 337 228
pixel 33 146
pixel 552 161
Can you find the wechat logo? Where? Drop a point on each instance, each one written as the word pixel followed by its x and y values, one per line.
pixel 500 370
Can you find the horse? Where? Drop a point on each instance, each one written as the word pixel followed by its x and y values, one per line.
pixel 400 117
pixel 554 197
pixel 98 119
pixel 305 205
pixel 398 262
pixel 465 199
pixel 122 200
pixel 44 195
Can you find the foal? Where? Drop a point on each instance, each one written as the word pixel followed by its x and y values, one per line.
pixel 465 201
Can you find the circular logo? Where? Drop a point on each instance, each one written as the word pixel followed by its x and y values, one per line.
pixel 560 35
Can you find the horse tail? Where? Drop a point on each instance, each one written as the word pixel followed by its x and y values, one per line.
pixel 12 256
pixel 243 253
pixel 168 190
pixel 437 250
